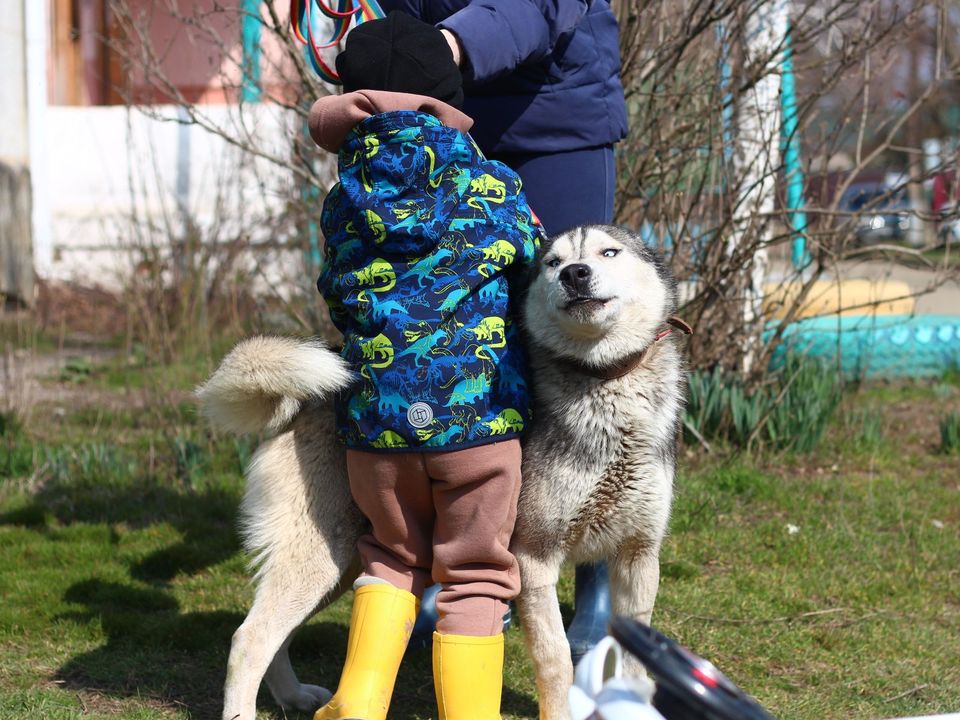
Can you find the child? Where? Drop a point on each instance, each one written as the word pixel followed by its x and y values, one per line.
pixel 421 231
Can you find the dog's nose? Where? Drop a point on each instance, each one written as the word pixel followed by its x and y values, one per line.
pixel 575 276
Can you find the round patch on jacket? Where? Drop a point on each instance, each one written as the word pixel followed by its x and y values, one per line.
pixel 420 415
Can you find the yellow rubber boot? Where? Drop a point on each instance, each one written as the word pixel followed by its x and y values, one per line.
pixel 468 676
pixel 380 625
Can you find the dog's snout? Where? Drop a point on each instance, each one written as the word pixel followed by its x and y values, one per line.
pixel 576 275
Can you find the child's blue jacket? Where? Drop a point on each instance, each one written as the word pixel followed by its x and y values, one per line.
pixel 421 231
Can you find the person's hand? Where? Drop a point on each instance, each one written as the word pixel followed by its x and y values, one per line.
pixel 454 44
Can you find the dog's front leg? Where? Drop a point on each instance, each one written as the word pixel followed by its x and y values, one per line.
pixel 634 581
pixel 544 634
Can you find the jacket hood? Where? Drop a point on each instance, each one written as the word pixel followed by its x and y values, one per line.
pixel 332 117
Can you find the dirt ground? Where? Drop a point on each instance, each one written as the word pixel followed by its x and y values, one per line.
pixel 78 324
pixel 29 378
pixel 70 326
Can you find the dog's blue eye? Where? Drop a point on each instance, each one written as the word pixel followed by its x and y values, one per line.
pixel 553 262
pixel 611 252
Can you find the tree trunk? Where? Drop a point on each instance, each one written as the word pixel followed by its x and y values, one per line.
pixel 757 158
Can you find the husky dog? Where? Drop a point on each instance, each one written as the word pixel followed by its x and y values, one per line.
pixel 598 462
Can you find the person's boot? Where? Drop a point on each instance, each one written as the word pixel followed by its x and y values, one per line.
pixel 427 618
pixel 468 676
pixel 591 607
pixel 380 625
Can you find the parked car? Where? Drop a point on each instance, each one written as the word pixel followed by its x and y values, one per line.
pixel 948 224
pixel 882 214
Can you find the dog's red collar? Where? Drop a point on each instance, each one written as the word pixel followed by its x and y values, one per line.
pixel 627 365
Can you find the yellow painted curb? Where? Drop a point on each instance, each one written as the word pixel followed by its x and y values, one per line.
pixel 846 297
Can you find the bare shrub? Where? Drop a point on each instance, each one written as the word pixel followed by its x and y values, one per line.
pixel 233 246
pixel 701 174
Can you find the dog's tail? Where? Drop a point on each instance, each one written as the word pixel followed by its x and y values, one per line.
pixel 261 384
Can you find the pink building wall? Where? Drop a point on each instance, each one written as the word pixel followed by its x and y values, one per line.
pixel 158 52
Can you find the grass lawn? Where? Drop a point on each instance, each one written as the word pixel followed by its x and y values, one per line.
pixel 828 585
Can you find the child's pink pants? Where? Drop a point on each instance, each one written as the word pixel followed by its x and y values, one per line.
pixel 445 515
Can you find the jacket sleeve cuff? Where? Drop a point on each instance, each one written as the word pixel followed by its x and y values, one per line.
pixel 496 41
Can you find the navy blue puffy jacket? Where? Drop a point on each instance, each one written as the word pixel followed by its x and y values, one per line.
pixel 542 76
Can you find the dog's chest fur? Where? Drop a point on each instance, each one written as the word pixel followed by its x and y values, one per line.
pixel 598 465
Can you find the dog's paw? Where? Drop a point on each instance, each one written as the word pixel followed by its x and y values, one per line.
pixel 307 698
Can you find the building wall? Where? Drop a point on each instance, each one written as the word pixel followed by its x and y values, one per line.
pixel 158 51
pixel 14 140
pixel 125 187
pixel 16 252
pixel 117 184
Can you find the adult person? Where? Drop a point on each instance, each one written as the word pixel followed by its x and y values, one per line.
pixel 542 84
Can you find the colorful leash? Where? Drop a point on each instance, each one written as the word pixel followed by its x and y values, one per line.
pixel 301 19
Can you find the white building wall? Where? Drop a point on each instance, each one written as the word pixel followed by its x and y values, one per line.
pixel 14 141
pixel 16 242
pixel 35 32
pixel 121 182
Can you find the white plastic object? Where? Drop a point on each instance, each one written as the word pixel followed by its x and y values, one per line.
pixel 601 692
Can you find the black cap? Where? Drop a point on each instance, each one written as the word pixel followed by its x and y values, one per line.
pixel 401 54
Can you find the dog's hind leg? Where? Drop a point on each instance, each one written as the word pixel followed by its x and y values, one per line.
pixel 634 581
pixel 543 630
pixel 259 647
pixel 280 677
pixel 286 689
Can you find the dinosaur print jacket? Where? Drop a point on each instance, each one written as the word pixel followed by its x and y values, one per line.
pixel 421 234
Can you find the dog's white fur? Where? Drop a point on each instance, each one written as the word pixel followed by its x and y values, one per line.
pixel 260 385
pixel 597 470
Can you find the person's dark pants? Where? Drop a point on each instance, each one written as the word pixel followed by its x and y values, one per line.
pixel 569 188
pixel 566 190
